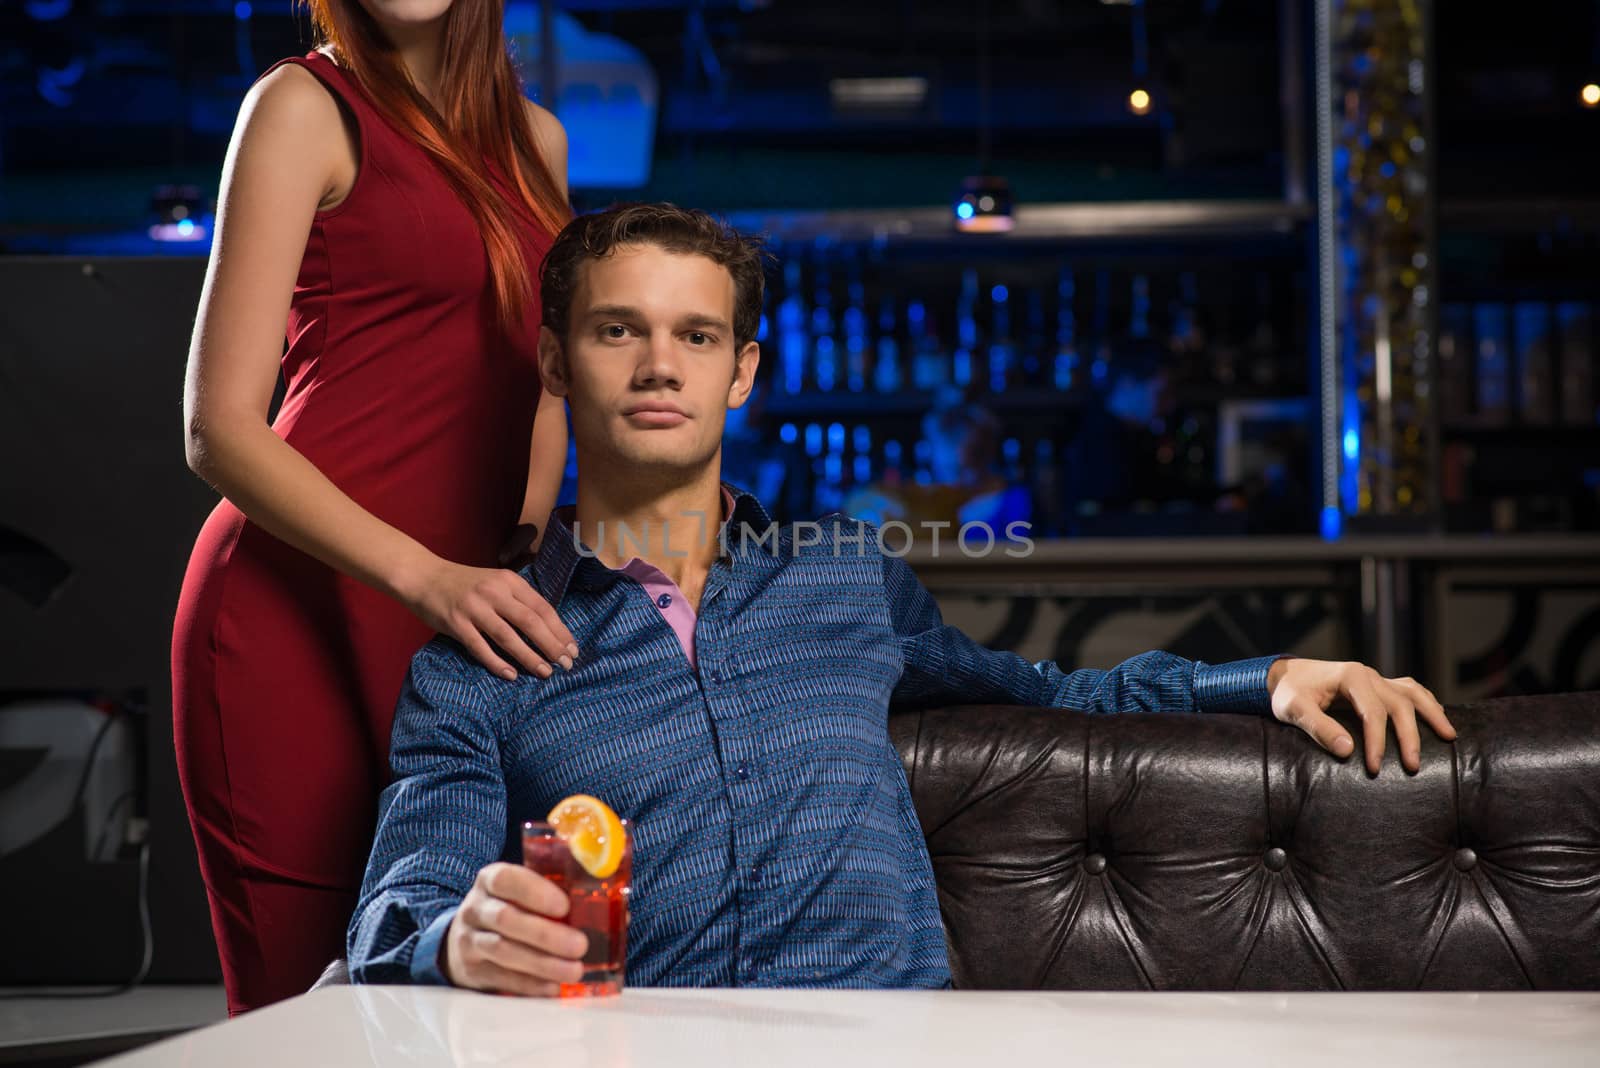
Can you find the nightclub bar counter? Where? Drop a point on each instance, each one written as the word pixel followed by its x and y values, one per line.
pixel 1470 615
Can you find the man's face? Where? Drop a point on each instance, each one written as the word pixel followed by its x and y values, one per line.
pixel 649 366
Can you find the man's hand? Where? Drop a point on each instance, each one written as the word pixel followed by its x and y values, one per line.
pixel 1302 689
pixel 505 937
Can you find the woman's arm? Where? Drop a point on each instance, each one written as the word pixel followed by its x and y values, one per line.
pixel 547 455
pixel 547 462
pixel 290 154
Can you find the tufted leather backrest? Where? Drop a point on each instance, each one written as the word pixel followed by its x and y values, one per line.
pixel 1230 853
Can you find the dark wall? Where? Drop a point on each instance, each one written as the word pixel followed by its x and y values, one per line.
pixel 91 383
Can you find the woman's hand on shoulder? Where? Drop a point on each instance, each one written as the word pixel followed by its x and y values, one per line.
pixel 480 605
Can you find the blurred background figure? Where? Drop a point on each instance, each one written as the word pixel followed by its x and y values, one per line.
pixel 963 481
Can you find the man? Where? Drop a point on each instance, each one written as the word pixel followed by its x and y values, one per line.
pixel 732 696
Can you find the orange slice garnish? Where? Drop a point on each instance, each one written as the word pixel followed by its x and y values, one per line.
pixel 592 832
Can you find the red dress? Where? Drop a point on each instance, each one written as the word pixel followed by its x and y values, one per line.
pixel 286 672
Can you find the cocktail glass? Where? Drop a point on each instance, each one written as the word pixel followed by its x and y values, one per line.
pixel 599 906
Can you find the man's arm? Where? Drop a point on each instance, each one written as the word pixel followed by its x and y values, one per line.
pixel 944 666
pixel 442 819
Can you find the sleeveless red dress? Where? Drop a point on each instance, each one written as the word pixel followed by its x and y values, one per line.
pixel 285 672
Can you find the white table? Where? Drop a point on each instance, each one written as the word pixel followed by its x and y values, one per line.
pixel 351 1026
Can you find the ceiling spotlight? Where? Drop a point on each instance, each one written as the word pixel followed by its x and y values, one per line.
pixel 1590 95
pixel 1139 102
pixel 984 206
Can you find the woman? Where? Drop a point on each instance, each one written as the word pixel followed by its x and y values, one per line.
pixel 390 196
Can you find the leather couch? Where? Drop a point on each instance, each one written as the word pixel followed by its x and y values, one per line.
pixel 1151 852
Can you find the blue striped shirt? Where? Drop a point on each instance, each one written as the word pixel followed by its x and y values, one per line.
pixel 775 842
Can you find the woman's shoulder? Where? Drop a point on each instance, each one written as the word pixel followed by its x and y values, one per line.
pixel 292 92
pixel 545 122
pixel 551 137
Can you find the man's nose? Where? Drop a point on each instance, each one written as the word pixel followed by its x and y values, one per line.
pixel 661 363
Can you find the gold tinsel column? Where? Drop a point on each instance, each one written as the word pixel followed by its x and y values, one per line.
pixel 1377 203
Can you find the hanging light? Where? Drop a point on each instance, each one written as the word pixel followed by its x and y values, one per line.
pixel 984 205
pixel 1139 98
pixel 1590 95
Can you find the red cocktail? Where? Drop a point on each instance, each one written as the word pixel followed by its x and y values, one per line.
pixel 599 904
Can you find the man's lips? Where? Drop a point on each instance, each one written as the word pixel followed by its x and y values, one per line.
pixel 655 414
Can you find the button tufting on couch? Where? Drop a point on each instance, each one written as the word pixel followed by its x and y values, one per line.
pixel 1228 852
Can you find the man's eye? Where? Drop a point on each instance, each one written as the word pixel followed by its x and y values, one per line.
pixel 697 338
pixel 615 330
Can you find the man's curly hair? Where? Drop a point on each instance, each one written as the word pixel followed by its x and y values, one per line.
pixel 671 228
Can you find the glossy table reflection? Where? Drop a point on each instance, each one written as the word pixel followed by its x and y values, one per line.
pixel 350 1026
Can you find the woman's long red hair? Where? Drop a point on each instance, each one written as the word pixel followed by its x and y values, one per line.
pixel 484 120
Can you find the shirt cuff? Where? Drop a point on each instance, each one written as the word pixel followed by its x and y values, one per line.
pixel 425 958
pixel 1240 686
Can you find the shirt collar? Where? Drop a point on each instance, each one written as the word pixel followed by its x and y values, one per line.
pixel 559 561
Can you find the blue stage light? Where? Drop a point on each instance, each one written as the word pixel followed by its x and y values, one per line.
pixel 964 210
pixel 1000 293
pixel 241 10
pixel 1352 445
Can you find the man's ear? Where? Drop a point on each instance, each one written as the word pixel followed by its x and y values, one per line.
pixel 552 362
pixel 744 374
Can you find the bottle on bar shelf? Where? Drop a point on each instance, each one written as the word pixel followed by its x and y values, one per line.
pixel 930 367
pixel 1064 368
pixel 1046 489
pixel 1100 366
pixel 855 333
pixel 1031 356
pixel 923 452
pixel 813 440
pixel 1493 364
pixel 830 490
pixel 1580 405
pixel 1139 321
pixel 824 349
pixel 1455 369
pixel 1531 360
pixel 893 460
pixel 966 329
pixel 1186 335
pixel 1002 353
pixel 886 374
pixel 793 341
pixel 1011 453
pixel 861 460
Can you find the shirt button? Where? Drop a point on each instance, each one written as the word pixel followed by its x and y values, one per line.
pixel 742 772
pixel 755 877
pixel 665 600
pixel 716 676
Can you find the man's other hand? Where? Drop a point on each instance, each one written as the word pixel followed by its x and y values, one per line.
pixel 506 936
pixel 1303 689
